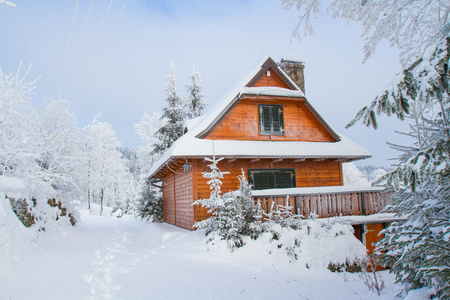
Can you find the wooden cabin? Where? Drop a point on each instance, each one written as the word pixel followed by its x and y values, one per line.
pixel 267 128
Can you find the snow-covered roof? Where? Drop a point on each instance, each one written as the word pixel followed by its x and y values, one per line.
pixel 193 144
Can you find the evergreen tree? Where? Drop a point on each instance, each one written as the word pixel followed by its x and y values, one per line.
pixel 173 115
pixel 195 103
pixel 150 206
pixel 417 249
pixel 234 214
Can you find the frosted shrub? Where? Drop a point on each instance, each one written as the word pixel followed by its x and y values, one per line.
pixel 234 214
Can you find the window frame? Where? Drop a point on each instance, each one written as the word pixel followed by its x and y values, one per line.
pixel 261 119
pixel 272 172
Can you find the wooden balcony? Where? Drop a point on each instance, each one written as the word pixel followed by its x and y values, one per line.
pixel 326 201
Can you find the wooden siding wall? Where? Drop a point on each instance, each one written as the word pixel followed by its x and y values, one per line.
pixel 169 199
pixel 307 174
pixel 242 122
pixel 184 198
pixel 272 80
pixel 177 200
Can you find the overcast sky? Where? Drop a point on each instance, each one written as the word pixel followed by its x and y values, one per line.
pixel 119 68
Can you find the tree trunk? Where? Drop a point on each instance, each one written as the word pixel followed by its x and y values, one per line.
pixel 89 187
pixel 101 204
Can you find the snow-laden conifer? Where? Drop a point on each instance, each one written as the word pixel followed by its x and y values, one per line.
pixel 195 102
pixel 417 249
pixel 173 116
pixel 234 214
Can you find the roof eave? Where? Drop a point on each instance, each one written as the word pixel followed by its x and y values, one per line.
pixel 342 158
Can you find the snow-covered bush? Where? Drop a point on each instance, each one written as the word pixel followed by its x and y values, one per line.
pixel 327 243
pixel 150 204
pixel 236 219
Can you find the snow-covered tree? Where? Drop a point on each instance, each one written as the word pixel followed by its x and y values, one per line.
pixel 41 149
pixel 150 206
pixel 146 129
pixel 149 201
pixel 410 26
pixel 105 166
pixel 195 102
pixel 416 249
pixel 61 155
pixel 234 214
pixel 353 176
pixel 173 116
pixel 18 151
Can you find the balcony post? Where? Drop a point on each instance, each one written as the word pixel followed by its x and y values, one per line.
pixel 363 204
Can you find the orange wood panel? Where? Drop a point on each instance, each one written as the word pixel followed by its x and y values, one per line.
pixel 271 79
pixel 371 236
pixel 168 199
pixel 183 199
pixel 242 122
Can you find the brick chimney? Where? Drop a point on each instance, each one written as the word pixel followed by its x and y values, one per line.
pixel 294 69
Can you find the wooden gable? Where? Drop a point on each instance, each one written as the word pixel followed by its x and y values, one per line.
pixel 242 122
pixel 242 119
pixel 270 78
pixel 270 75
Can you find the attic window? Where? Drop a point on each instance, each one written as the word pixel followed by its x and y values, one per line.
pixel 271 178
pixel 268 73
pixel 271 120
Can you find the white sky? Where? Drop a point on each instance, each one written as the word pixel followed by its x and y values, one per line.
pixel 223 39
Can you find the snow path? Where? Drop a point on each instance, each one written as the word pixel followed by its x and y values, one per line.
pixel 103 264
pixel 109 258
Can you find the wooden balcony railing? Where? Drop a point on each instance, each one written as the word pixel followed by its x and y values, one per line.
pixel 326 201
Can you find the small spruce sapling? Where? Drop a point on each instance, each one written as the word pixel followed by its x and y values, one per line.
pixel 234 214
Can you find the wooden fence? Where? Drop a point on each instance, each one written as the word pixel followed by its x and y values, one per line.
pixel 326 202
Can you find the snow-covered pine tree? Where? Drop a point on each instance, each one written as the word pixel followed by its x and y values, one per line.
pixel 195 102
pixel 417 249
pixel 234 214
pixel 150 206
pixel 214 203
pixel 173 116
pixel 149 200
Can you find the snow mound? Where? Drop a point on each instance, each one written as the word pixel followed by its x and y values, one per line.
pixel 315 245
pixel 15 241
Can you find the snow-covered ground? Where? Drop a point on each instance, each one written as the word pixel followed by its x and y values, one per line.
pixel 122 258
